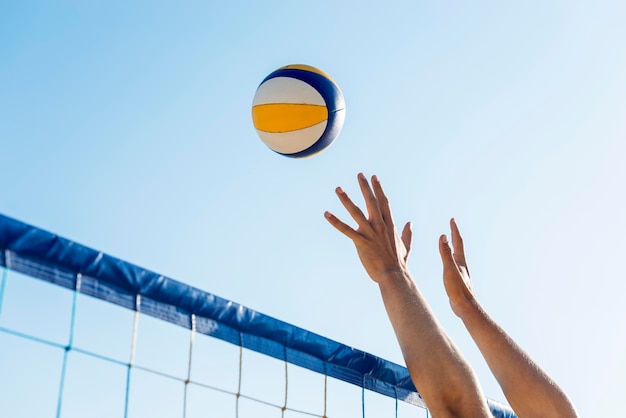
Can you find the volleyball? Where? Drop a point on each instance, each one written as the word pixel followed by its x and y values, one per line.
pixel 298 111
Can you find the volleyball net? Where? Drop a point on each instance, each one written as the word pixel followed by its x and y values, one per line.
pixel 84 333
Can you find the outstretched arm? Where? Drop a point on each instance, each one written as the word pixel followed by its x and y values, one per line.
pixel 529 390
pixel 442 376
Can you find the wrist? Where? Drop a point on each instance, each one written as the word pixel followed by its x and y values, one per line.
pixel 393 277
pixel 467 309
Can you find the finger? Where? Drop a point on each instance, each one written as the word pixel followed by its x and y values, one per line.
pixel 457 243
pixel 407 235
pixel 385 209
pixel 354 211
pixel 371 202
pixel 342 227
pixel 383 203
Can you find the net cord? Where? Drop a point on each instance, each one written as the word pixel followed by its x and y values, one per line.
pixel 192 335
pixel 133 348
pixel 69 345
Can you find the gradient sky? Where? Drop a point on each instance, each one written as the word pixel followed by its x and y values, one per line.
pixel 126 126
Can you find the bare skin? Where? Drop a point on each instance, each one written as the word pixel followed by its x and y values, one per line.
pixel 443 377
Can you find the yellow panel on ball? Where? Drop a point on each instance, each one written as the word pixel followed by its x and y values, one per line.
pixel 285 117
pixel 298 111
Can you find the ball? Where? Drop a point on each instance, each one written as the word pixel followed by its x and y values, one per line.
pixel 298 111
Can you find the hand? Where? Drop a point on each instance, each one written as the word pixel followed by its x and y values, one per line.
pixel 378 245
pixel 456 278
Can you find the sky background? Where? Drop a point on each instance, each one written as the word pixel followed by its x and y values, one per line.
pixel 126 126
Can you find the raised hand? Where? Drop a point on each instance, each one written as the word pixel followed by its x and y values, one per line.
pixel 456 278
pixel 529 390
pixel 378 245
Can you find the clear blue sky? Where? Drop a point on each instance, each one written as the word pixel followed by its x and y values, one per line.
pixel 126 126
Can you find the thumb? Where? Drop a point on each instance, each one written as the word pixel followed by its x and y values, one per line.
pixel 407 235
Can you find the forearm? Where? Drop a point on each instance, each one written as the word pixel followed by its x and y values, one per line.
pixel 440 373
pixel 529 390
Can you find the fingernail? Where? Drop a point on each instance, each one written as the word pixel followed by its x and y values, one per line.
pixel 339 190
pixel 444 239
pixel 375 178
pixel 327 215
